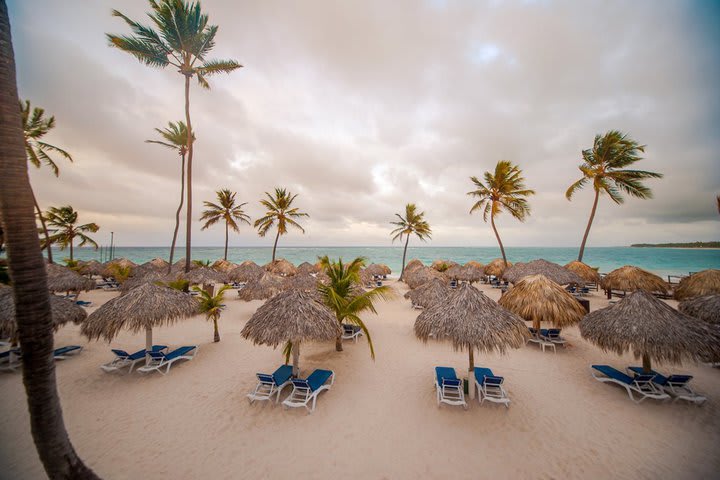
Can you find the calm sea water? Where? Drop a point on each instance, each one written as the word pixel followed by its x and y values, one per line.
pixel 663 261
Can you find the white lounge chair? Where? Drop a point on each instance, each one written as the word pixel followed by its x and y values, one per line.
pixel 64 353
pixel 552 335
pixel 269 385
pixel 305 390
pixel 448 387
pixel 10 360
pixel 489 387
pixel 351 332
pixel 678 386
pixel 535 337
pixel 124 359
pixel 642 385
pixel 158 360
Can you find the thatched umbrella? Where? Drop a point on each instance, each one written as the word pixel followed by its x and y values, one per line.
pixel 385 269
pixel 307 268
pixel 442 265
pixel 246 272
pixel 429 293
pixel 413 265
pixel 62 279
pixel 93 267
pixel 222 266
pixel 142 308
pixel 456 272
pixel 375 269
pixel 549 270
pixel 586 272
pixel 108 271
pixel 422 275
pixel 471 320
pixel 629 279
pixel 63 311
pixel 143 277
pixel 706 308
pixel 698 284
pixel 473 271
pixel 262 288
pixel 304 282
pixel 496 267
pixel 179 266
pixel 538 299
pixel 204 276
pixel 281 267
pixel 291 316
pixel 652 329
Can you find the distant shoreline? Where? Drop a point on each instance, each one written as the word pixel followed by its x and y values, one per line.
pixel 684 246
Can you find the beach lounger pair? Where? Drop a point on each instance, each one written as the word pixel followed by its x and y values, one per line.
pixel 124 359
pixel 449 388
pixel 641 385
pixel 159 360
pixel 677 386
pixel 536 337
pixel 11 360
pixel 351 332
pixel 303 393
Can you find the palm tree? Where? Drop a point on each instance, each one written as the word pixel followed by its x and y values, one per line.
pixel 36 126
pixel 412 223
pixel 212 306
pixel 182 39
pixel 65 220
pixel 176 137
pixel 278 210
pixel 226 210
pixel 604 165
pixel 344 295
pixel 32 301
pixel 504 189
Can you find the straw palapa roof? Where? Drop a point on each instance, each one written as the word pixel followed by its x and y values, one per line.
pixel 429 293
pixel 698 284
pixel 538 299
pixel 304 282
pixel 62 279
pixel 203 275
pixel 281 267
pixel 496 267
pixel 108 271
pixel 551 271
pixel 456 271
pixel 92 267
pixel 222 266
pixel 375 269
pixel 650 327
pixel 472 271
pixel 469 319
pixel 586 272
pixel 179 266
pixel 422 275
pixel 307 267
pixel 146 276
pixel 706 308
pixel 146 306
pixel 63 311
pixel 413 265
pixel 440 264
pixel 262 288
pixel 629 279
pixel 246 272
pixel 291 315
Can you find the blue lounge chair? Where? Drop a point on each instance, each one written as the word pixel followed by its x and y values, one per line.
pixel 83 303
pixel 123 359
pixel 269 385
pixel 537 337
pixel 351 332
pixel 675 385
pixel 489 387
pixel 10 360
pixel 308 389
pixel 63 353
pixel 159 360
pixel 448 387
pixel 552 335
pixel 642 385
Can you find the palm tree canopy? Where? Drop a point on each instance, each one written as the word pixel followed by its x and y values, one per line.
pixel 504 189
pixel 604 164
pixel 175 136
pixel 225 209
pixel 36 126
pixel 411 223
pixel 279 211
pixel 181 37
pixel 65 219
pixel 211 305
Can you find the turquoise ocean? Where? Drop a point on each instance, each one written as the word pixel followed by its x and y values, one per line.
pixel 662 261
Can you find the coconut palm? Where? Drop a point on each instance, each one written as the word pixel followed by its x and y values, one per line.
pixel 411 223
pixel 212 306
pixel 504 189
pixel 65 220
pixel 279 211
pixel 604 165
pixel 182 39
pixel 226 210
pixel 35 127
pixel 345 298
pixel 176 138
pixel 32 302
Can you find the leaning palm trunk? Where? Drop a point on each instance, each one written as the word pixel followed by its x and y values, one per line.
pixel 188 229
pixel 275 245
pixel 338 343
pixel 589 224
pixel 44 226
pixel 226 240
pixel 402 271
pixel 177 213
pixel 27 268
pixel 497 235
pixel 216 338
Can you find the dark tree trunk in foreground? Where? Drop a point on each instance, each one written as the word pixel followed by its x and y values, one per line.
pixel 27 269
pixel 589 224
pixel 177 213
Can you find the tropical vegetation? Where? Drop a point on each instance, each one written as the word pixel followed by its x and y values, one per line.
pixel 281 212
pixel 65 219
pixel 226 210
pixel 212 306
pixel 412 223
pixel 502 190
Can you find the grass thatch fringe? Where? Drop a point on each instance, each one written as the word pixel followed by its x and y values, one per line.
pixel 63 311
pixel 706 308
pixel 698 284
pixel 262 288
pixel 496 267
pixel 629 279
pixel 421 275
pixel 62 279
pixel 246 272
pixel 551 271
pixel 586 272
pixel 281 267
pixel 429 293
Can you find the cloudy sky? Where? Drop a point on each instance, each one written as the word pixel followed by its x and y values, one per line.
pixel 363 106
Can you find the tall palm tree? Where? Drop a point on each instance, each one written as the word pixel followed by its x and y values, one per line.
pixel 32 301
pixel 344 295
pixel 35 127
pixel 604 165
pixel 278 211
pixel 212 306
pixel 176 138
pixel 65 220
pixel 504 189
pixel 226 210
pixel 182 39
pixel 412 223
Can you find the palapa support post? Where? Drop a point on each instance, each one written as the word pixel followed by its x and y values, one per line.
pixel 471 373
pixel 296 358
pixel 647 367
pixel 148 344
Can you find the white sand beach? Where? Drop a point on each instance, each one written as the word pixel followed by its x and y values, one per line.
pixel 380 419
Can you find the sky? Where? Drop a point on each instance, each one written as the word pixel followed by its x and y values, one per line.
pixel 361 107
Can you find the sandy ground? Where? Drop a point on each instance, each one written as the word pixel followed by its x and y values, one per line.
pixel 380 420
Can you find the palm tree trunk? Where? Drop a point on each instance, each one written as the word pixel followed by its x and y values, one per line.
pixel 497 235
pixel 188 220
pixel 589 224
pixel 44 227
pixel 216 338
pixel 647 367
pixel 296 359
pixel 275 245
pixel 27 269
pixel 226 239
pixel 177 213
pixel 402 271
pixel 71 248
pixel 338 343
